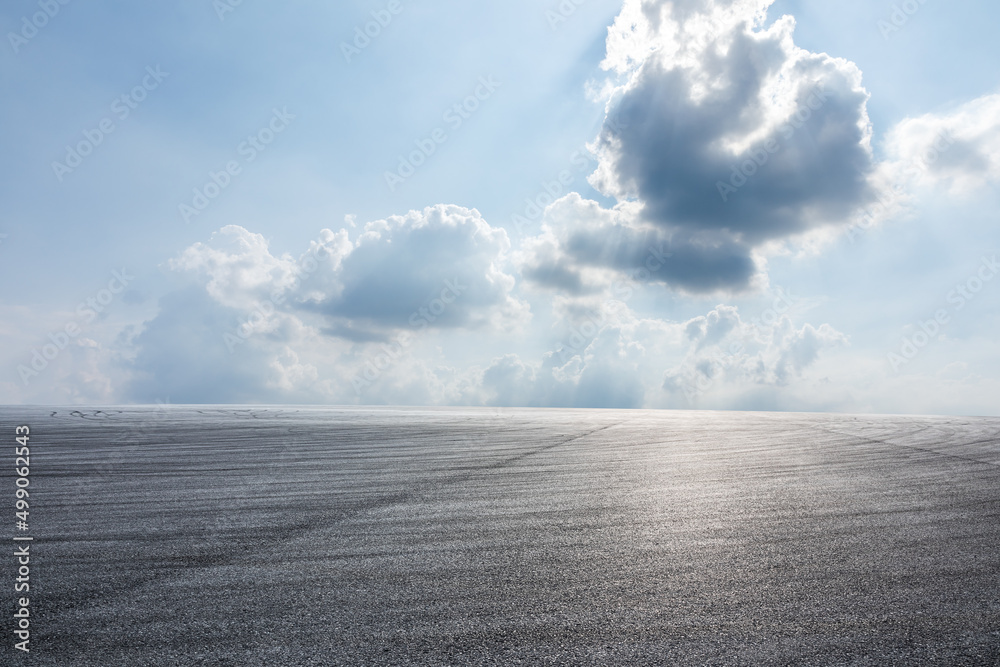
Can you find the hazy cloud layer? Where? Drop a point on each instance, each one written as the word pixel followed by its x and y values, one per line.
pixel 629 361
pixel 727 351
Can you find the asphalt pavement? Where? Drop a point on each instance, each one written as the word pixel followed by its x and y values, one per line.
pixel 223 535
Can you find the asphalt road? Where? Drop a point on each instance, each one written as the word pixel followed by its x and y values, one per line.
pixel 298 536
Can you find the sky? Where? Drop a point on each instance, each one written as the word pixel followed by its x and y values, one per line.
pixel 693 204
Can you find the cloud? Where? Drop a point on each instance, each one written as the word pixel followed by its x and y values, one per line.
pixel 679 30
pixel 610 360
pixel 584 248
pixel 238 266
pixel 959 151
pixel 628 361
pixel 445 264
pixel 403 264
pixel 725 136
pixel 254 326
pixel 730 353
pixel 712 328
pixel 802 348
pixel 955 153
pixel 181 354
pixel 606 375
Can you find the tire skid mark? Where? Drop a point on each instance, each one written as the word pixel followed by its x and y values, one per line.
pixel 169 565
pixel 912 447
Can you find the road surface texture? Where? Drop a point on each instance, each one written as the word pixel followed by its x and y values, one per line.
pixel 222 535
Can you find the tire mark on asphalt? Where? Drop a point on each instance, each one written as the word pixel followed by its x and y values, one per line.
pixel 913 447
pixel 543 449
pixel 154 569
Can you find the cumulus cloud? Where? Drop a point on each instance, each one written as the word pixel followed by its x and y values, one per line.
pixel 712 328
pixel 240 271
pixel 238 266
pixel 609 358
pixel 726 136
pixel 181 355
pixel 445 264
pixel 187 354
pixel 255 323
pixel 801 348
pixel 446 260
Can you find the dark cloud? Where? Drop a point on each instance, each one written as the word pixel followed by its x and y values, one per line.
pixel 723 146
pixel 695 265
pixel 556 276
pixel 668 150
pixel 581 237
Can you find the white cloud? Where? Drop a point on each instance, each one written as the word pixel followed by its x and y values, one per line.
pixel 239 266
pixel 959 151
pixel 732 355
pixel 678 30
pixel 955 154
pixel 629 361
pixel 403 264
pixel 280 328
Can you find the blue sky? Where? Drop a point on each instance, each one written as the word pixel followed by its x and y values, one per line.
pixel 306 278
